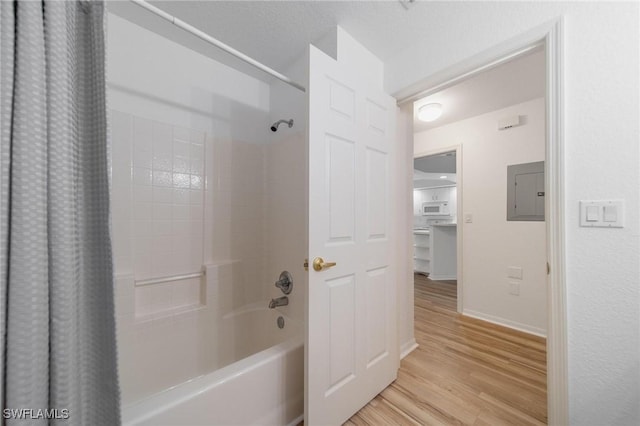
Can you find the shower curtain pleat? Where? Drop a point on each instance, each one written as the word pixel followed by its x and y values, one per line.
pixel 7 44
pixel 56 276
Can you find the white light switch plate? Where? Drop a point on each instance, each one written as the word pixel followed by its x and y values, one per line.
pixel 602 214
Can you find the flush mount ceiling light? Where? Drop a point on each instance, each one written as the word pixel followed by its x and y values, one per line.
pixel 443 177
pixel 429 112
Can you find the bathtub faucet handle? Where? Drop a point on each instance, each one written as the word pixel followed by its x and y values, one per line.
pixel 285 282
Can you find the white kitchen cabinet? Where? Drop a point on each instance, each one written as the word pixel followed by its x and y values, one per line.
pixel 444 252
pixel 418 198
pixel 437 194
pixel 441 194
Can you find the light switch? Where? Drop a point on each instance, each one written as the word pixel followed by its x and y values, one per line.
pixel 468 218
pixel 610 213
pixel 602 214
pixel 592 213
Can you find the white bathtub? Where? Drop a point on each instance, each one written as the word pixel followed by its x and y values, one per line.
pixel 264 388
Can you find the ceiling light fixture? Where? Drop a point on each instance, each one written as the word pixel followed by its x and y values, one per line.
pixel 443 177
pixel 429 112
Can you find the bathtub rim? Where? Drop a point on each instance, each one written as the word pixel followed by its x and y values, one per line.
pixel 153 405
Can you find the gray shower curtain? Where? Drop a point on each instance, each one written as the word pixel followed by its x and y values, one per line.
pixel 56 284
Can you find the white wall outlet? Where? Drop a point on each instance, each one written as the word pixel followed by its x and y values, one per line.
pixel 514 272
pixel 514 288
pixel 468 218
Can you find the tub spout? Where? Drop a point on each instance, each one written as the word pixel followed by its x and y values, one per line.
pixel 280 301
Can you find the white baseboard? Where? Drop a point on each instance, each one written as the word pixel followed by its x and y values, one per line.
pixel 506 323
pixel 442 277
pixel 407 348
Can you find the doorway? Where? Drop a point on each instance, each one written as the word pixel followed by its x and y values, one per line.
pixel 549 37
pixel 435 220
pixel 502 259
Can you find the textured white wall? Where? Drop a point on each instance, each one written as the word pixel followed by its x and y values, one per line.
pixel 601 162
pixel 491 244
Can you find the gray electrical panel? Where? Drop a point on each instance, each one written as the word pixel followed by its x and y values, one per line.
pixel 525 192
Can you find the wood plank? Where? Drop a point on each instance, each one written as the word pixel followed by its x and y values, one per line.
pixel 465 371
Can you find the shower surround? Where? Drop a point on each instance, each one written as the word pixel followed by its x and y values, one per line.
pixel 235 198
pixel 201 184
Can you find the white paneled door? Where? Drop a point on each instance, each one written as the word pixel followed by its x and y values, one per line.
pixel 351 347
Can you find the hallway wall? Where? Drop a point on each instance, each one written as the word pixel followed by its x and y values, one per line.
pixel 491 244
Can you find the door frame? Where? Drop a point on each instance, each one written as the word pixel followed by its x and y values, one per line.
pixel 458 150
pixel 549 35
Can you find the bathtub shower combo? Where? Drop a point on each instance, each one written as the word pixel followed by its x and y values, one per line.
pixel 199 320
pixel 208 239
pixel 208 182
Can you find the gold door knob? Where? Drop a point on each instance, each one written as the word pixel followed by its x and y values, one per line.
pixel 319 264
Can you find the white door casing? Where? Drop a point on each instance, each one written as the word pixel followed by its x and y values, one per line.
pixel 351 349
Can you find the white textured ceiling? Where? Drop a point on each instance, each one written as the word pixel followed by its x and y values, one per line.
pixel 514 82
pixel 277 32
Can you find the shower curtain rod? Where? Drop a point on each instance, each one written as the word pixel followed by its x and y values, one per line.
pixel 206 37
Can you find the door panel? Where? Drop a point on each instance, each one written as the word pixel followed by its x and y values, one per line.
pixel 377 116
pixel 376 176
pixel 376 316
pixel 342 100
pixel 341 191
pixel 341 342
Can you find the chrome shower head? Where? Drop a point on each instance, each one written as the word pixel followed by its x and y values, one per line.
pixel 274 126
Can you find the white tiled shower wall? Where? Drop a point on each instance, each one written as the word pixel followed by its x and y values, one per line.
pixel 175 193
pixel 168 195
pixel 158 179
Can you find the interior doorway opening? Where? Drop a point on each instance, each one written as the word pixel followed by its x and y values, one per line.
pixel 435 219
pixel 548 48
pixel 503 256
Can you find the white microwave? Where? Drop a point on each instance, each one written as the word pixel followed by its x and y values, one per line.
pixel 435 208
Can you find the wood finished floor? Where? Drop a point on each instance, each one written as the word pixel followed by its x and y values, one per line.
pixel 465 371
